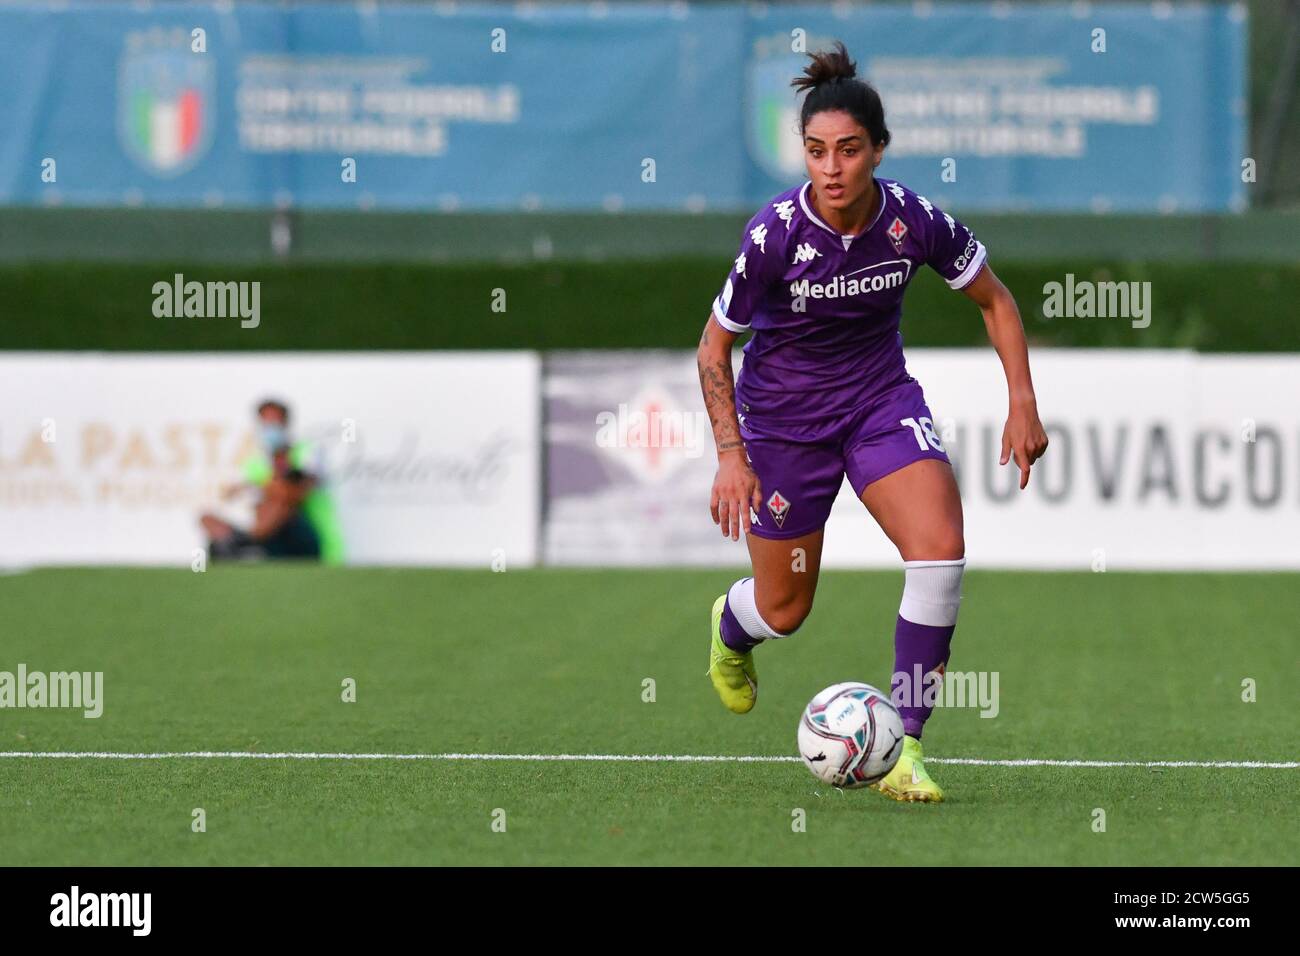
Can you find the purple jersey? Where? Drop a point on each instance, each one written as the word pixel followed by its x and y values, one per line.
pixel 824 307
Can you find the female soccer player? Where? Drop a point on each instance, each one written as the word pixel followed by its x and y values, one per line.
pixel 824 393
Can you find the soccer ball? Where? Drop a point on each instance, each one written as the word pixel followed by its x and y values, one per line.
pixel 850 735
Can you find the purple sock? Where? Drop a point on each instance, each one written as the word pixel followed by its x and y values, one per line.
pixel 733 635
pixel 918 650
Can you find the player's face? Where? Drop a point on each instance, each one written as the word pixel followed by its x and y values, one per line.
pixel 840 158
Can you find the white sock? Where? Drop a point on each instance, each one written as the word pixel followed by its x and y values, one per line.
pixel 741 601
pixel 932 592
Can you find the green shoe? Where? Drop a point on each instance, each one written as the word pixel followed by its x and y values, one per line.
pixel 908 780
pixel 733 674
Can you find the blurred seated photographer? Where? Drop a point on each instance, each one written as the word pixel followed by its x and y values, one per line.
pixel 293 516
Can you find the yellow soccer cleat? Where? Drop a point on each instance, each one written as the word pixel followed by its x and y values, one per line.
pixel 908 780
pixel 732 673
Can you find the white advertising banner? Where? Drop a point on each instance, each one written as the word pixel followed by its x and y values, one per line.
pixel 1158 459
pixel 629 461
pixel 431 458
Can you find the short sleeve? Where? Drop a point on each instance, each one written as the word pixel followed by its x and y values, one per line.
pixel 756 269
pixel 953 251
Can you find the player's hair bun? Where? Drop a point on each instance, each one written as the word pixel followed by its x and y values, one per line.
pixel 826 66
pixel 831 82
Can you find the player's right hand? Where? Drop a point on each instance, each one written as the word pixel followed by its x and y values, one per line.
pixel 736 489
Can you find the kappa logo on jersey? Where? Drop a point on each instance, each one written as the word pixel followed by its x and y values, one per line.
pixel 805 252
pixel 740 266
pixel 897 232
pixel 952 225
pixel 897 190
pixel 785 210
pixel 758 236
pixel 778 507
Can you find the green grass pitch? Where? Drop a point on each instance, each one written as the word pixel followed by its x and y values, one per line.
pixel 1110 666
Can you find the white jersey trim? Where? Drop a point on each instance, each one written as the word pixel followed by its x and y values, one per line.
pixel 725 322
pixel 972 267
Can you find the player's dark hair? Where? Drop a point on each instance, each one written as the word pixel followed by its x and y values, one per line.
pixel 832 84
pixel 275 403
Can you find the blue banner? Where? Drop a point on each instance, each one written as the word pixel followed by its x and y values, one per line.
pixel 582 107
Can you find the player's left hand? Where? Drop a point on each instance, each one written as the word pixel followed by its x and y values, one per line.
pixel 1024 438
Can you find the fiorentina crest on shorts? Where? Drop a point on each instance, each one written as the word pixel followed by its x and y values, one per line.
pixel 897 233
pixel 778 506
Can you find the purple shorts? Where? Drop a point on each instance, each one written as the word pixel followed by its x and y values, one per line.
pixel 800 480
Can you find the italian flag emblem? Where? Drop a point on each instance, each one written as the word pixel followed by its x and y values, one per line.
pixel 165 102
pixel 166 130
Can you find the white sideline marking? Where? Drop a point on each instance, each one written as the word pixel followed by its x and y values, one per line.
pixel 631 758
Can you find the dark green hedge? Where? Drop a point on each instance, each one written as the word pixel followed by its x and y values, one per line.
pixel 1207 306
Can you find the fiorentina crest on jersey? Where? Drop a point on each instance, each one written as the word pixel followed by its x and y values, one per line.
pixel 778 507
pixel 897 233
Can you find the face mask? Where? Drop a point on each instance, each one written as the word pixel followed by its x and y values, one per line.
pixel 273 436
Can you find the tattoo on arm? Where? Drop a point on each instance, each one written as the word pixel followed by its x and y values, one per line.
pixel 719 390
